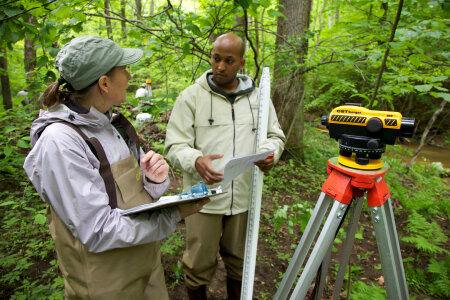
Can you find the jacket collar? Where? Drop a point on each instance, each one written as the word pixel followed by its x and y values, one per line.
pixel 246 85
pixel 93 119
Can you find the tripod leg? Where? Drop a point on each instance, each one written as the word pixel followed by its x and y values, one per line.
pixel 347 248
pixel 323 269
pixel 389 250
pixel 303 246
pixel 323 274
pixel 322 245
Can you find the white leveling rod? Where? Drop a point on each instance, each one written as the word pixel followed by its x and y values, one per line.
pixel 251 242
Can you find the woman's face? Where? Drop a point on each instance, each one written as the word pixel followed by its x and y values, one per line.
pixel 118 85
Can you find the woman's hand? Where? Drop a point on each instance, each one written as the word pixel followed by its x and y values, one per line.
pixel 191 208
pixel 154 167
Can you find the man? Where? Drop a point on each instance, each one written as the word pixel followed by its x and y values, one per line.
pixel 142 91
pixel 212 121
pixel 24 94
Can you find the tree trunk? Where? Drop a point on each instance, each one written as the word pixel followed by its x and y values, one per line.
pixel 426 131
pixel 239 25
pixel 289 82
pixel 336 13
pixel 30 57
pixel 6 88
pixel 152 7
pixel 108 21
pixel 123 23
pixel 138 9
pixel 239 29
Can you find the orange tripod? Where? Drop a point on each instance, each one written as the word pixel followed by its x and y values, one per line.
pixel 346 187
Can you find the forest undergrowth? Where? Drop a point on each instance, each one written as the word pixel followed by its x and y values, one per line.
pixel 29 269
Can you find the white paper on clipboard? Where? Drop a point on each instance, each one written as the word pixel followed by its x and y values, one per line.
pixel 238 165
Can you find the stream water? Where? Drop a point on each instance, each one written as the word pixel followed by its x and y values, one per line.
pixel 431 154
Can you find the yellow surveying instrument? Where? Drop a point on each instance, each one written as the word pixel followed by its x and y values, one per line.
pixel 363 134
pixel 355 176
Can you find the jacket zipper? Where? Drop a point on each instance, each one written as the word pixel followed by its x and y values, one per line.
pixel 234 153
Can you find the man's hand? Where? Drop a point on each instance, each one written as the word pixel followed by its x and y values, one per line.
pixel 154 167
pixel 266 164
pixel 205 169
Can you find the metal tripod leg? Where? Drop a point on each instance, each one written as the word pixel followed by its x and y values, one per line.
pixel 389 251
pixel 323 274
pixel 323 243
pixel 303 246
pixel 356 206
pixel 347 247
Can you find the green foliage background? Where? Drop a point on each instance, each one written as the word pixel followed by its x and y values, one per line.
pixel 344 57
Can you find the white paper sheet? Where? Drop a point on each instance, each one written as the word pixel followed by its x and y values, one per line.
pixel 238 165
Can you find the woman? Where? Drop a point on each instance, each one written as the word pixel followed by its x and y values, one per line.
pixel 101 254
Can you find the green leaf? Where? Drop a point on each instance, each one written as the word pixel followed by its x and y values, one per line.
pixel 7 203
pixel 244 3
pixel 73 21
pixel 8 150
pixel 22 144
pixel 10 128
pixel 441 89
pixel 445 96
pixel 274 13
pixel 402 78
pixel 40 219
pixel 80 16
pixel 396 45
pixel 438 78
pixel 186 48
pixel 433 34
pixel 2 30
pixel 12 11
pixel 194 28
pixel 423 87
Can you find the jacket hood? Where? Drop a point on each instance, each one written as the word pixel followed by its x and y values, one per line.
pixel 246 84
pixel 93 118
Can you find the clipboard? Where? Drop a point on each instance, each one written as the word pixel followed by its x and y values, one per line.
pixel 164 202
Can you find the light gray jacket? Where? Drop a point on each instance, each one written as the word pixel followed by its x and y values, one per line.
pixel 190 134
pixel 66 175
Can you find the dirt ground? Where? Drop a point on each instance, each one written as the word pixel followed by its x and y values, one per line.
pixel 269 266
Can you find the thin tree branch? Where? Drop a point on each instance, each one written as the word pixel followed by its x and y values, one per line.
pixel 7 3
pixel 435 64
pixel 138 23
pixel 425 132
pixel 386 53
pixel 367 12
pixel 26 11
pixel 255 53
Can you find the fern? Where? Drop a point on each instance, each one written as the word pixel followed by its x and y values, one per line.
pixel 417 279
pixel 426 236
pixel 441 282
pixel 362 291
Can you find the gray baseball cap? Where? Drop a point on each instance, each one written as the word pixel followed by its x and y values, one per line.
pixel 83 60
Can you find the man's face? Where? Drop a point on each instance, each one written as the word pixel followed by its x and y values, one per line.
pixel 226 61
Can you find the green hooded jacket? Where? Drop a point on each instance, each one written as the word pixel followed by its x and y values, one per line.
pixel 203 122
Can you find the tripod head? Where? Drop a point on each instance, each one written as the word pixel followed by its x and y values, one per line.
pixel 363 133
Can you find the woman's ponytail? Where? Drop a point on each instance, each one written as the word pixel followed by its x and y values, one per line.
pixel 53 95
